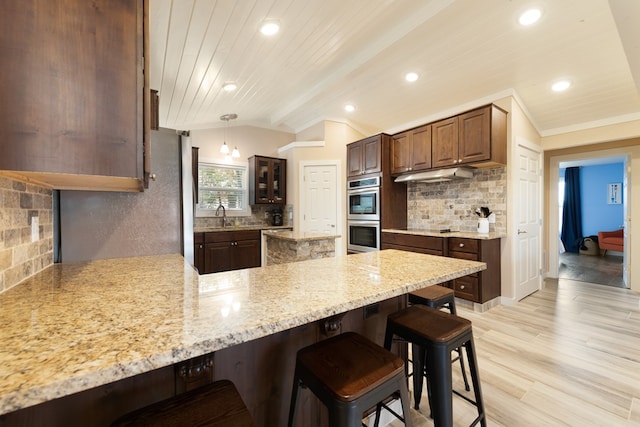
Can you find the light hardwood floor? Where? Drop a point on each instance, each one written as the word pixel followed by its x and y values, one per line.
pixel 568 355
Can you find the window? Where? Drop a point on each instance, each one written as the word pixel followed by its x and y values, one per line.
pixel 222 184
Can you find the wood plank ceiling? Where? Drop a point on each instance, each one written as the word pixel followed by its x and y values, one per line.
pixel 332 52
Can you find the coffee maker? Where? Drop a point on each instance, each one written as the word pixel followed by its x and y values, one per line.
pixel 276 217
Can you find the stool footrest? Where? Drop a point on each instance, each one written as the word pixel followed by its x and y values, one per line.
pixel 395 414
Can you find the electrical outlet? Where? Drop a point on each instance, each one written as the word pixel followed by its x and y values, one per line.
pixel 492 218
pixel 266 214
pixel 35 229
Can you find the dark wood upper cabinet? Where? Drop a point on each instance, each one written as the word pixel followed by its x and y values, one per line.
pixel 364 156
pixel 477 138
pixel 444 142
pixel 75 99
pixel 267 180
pixel 372 156
pixel 411 150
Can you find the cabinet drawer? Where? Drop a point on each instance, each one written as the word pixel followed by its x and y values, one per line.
pixel 231 236
pixel 434 244
pixel 465 255
pixel 411 249
pixel 467 288
pixel 457 244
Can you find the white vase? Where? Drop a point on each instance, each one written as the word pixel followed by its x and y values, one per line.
pixel 483 225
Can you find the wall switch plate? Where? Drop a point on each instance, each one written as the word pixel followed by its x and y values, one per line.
pixel 35 229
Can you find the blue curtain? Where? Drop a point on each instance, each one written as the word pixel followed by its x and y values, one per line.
pixel 571 234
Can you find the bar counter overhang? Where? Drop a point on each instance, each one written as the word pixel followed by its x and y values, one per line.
pixel 74 327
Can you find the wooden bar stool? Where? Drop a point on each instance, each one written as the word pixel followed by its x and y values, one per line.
pixel 349 374
pixel 216 405
pixel 439 333
pixel 435 297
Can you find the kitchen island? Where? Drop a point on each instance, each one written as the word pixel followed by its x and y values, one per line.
pixel 283 246
pixel 86 326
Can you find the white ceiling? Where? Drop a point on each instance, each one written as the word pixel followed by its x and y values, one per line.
pixel 332 52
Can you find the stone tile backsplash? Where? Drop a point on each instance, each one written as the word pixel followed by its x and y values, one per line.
pixel 260 215
pixel 20 257
pixel 434 206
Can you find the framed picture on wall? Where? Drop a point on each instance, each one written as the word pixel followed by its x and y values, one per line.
pixel 614 195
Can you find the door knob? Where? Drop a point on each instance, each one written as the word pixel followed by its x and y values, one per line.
pixel 522 231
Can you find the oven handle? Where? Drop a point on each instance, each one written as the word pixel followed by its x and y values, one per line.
pixel 372 222
pixel 364 190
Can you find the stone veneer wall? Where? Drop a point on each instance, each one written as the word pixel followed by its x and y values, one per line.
pixel 434 206
pixel 20 258
pixel 280 251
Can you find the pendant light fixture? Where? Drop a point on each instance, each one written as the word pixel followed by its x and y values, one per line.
pixel 225 148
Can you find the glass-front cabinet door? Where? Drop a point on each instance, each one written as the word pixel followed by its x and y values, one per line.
pixel 268 180
pixel 279 182
pixel 263 179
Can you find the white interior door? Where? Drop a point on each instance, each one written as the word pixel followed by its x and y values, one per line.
pixel 626 225
pixel 320 210
pixel 528 217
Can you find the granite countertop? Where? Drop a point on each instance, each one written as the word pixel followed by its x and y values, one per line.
pixel 299 236
pixel 241 228
pixel 437 233
pixel 76 326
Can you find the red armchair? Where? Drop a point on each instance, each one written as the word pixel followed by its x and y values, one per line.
pixel 613 240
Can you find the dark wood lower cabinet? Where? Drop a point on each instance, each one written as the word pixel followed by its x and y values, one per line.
pixel 485 285
pixel 479 287
pixel 198 252
pixel 262 371
pixel 414 243
pixel 226 250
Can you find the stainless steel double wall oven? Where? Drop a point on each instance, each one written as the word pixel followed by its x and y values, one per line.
pixel 363 215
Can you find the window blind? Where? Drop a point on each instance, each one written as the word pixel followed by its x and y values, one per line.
pixel 221 184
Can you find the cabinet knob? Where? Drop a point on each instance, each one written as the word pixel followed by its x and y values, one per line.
pixel 200 246
pixel 462 245
pixel 461 286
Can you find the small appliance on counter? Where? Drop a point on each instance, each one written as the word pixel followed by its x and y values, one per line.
pixel 276 217
pixel 483 219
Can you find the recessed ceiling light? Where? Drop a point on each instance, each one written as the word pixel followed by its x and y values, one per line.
pixel 349 108
pixel 270 28
pixel 411 77
pixel 229 86
pixel 530 16
pixel 561 85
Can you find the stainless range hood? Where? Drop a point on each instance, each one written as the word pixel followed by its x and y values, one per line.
pixel 439 175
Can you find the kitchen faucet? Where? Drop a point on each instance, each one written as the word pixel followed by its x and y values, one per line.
pixel 224 214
